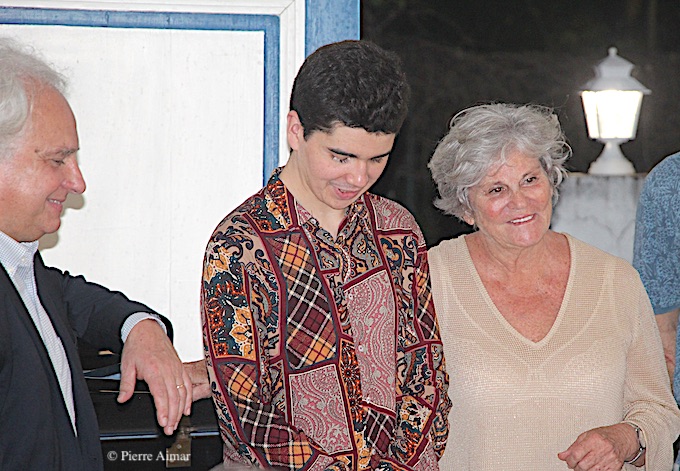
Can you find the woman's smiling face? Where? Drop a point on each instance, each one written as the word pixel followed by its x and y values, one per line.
pixel 512 205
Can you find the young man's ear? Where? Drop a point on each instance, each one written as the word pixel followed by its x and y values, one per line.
pixel 294 130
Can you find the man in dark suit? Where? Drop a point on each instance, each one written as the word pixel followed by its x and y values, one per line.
pixel 47 421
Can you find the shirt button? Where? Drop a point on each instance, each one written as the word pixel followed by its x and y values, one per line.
pixel 362 349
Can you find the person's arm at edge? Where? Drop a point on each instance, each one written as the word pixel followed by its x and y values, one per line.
pixel 655 254
pixel 668 328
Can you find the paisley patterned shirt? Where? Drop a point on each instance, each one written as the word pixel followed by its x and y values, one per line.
pixel 656 253
pixel 323 354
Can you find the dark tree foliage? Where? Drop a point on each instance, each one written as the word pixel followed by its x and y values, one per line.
pixel 458 53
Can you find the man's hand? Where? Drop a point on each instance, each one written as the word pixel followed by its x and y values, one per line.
pixel 199 378
pixel 149 355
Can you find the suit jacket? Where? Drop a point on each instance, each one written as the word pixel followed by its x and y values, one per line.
pixel 35 429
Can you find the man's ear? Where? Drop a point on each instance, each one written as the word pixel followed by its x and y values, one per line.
pixel 294 130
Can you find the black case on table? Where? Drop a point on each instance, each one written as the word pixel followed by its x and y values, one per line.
pixel 130 435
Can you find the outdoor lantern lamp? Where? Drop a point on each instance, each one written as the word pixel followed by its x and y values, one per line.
pixel 611 102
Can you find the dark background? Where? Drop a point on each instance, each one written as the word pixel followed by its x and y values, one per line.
pixel 458 53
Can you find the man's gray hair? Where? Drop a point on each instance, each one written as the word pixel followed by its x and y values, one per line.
pixel 485 135
pixel 22 73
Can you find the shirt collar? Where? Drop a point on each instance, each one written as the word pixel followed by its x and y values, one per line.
pixel 276 186
pixel 15 254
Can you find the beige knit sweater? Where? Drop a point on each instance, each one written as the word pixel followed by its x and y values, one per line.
pixel 516 403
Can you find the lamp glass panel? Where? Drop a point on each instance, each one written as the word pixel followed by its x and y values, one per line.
pixel 612 114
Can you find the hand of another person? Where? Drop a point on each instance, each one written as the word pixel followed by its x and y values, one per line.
pixel 199 378
pixel 602 448
pixel 149 355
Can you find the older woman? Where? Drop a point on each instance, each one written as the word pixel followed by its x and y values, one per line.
pixel 554 357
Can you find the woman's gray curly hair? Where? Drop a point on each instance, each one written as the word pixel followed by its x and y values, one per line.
pixel 483 136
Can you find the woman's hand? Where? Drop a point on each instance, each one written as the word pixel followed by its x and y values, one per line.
pixel 602 449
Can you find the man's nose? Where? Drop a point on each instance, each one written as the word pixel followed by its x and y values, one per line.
pixel 74 180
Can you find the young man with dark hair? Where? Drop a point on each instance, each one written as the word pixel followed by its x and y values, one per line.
pixel 321 339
